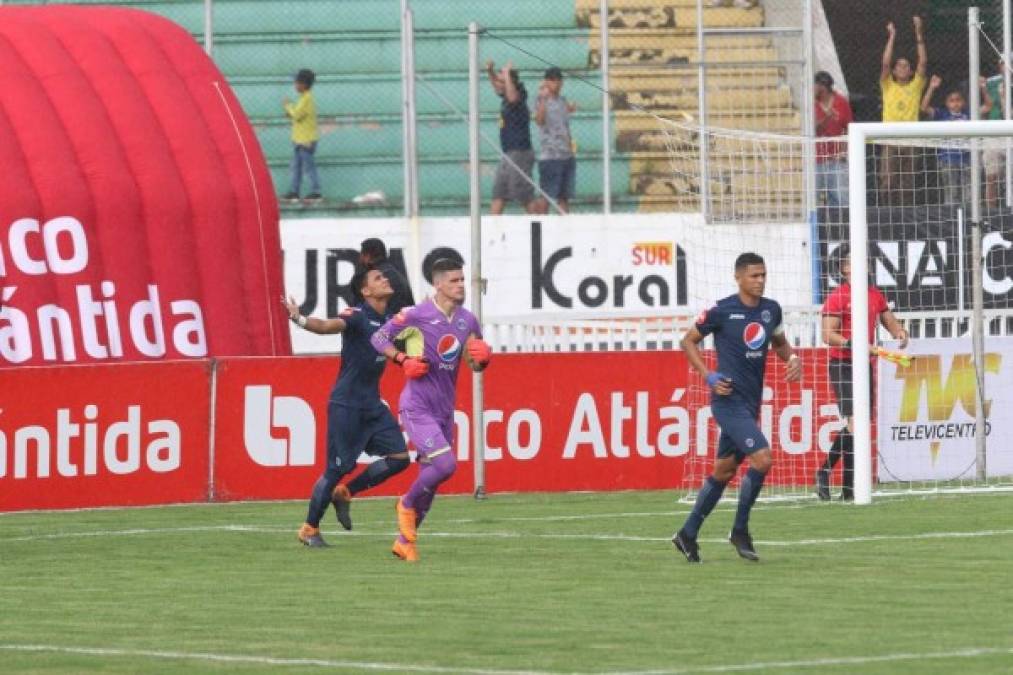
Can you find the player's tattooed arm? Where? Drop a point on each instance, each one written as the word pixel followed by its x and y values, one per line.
pixel 311 323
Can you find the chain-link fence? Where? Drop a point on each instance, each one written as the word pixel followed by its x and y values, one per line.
pixel 752 61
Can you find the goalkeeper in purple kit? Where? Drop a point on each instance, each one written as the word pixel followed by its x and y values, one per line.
pixel 438 333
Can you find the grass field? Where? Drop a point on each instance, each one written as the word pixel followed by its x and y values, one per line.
pixel 519 583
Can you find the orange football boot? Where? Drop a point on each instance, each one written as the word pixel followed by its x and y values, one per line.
pixel 406 521
pixel 406 552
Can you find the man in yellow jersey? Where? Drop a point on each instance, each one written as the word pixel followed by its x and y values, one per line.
pixel 303 114
pixel 902 90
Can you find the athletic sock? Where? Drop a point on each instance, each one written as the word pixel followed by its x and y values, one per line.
pixel 320 499
pixel 848 450
pixel 749 490
pixel 376 473
pixel 706 499
pixel 835 452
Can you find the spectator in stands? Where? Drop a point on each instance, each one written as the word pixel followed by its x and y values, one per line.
pixel 373 252
pixel 557 165
pixel 513 175
pixel 902 92
pixel 833 115
pixel 303 114
pixel 994 159
pixel 954 165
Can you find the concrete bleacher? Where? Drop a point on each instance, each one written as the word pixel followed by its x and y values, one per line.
pixel 354 46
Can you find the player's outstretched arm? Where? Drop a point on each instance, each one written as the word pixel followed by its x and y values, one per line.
pixel 793 373
pixel 311 323
pixel 831 333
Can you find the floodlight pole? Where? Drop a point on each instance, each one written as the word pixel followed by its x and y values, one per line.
pixel 477 391
pixel 209 26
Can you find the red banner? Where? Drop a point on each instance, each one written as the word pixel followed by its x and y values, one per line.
pixel 91 436
pixel 554 422
pixel 117 435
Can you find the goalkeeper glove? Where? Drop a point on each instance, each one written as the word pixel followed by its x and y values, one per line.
pixel 414 367
pixel 479 351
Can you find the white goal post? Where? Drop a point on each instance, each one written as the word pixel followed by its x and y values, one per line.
pixel 859 137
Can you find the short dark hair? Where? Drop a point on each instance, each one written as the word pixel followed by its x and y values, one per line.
pixel 824 78
pixel 747 259
pixel 374 248
pixel 553 73
pixel 446 265
pixel 307 77
pixel 359 278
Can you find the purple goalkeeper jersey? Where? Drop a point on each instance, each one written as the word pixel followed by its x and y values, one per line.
pixel 443 341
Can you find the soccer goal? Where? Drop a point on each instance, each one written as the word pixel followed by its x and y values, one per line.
pixel 942 419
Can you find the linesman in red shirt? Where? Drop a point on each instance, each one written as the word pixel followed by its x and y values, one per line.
pixel 837 334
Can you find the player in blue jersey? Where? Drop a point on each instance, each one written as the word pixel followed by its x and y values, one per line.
pixel 357 419
pixel 745 326
pixel 438 333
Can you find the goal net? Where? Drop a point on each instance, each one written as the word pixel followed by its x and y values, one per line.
pixel 919 430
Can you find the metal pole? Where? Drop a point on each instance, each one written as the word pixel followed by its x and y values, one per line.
pixel 977 293
pixel 477 398
pixel 405 133
pixel 606 106
pixel 413 133
pixel 1007 46
pixel 701 55
pixel 209 27
pixel 808 113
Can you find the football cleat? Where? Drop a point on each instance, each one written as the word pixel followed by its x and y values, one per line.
pixel 406 552
pixel 823 485
pixel 687 546
pixel 406 521
pixel 342 500
pixel 310 536
pixel 743 544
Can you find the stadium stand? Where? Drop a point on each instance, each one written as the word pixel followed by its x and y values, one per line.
pixel 354 47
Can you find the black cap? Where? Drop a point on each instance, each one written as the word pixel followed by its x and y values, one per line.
pixel 553 73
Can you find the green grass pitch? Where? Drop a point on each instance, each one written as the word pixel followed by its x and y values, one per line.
pixel 534 583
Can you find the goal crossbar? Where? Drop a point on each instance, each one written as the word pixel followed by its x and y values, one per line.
pixel 859 135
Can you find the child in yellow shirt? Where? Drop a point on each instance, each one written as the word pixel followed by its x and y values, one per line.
pixel 303 114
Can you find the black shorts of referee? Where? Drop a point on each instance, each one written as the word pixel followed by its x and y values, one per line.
pixel 840 380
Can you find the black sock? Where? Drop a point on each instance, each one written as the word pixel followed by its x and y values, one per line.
pixel 835 452
pixel 320 499
pixel 376 473
pixel 848 450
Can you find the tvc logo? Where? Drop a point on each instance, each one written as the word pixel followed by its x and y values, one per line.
pixel 943 391
pixel 291 416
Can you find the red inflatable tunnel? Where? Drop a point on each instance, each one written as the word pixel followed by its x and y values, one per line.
pixel 137 216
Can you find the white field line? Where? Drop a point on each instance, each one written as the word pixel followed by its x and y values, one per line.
pixel 505 535
pixel 964 653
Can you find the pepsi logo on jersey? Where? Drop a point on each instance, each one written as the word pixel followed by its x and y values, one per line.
pixel 449 348
pixel 754 335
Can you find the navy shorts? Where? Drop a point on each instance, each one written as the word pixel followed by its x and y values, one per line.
pixel 558 177
pixel 352 431
pixel 740 434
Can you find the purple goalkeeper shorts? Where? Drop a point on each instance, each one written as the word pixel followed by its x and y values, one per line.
pixel 427 433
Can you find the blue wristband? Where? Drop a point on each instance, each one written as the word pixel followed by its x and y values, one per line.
pixel 713 378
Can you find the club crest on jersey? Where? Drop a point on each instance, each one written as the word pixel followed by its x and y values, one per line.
pixel 461 325
pixel 449 347
pixel 765 316
pixel 754 335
